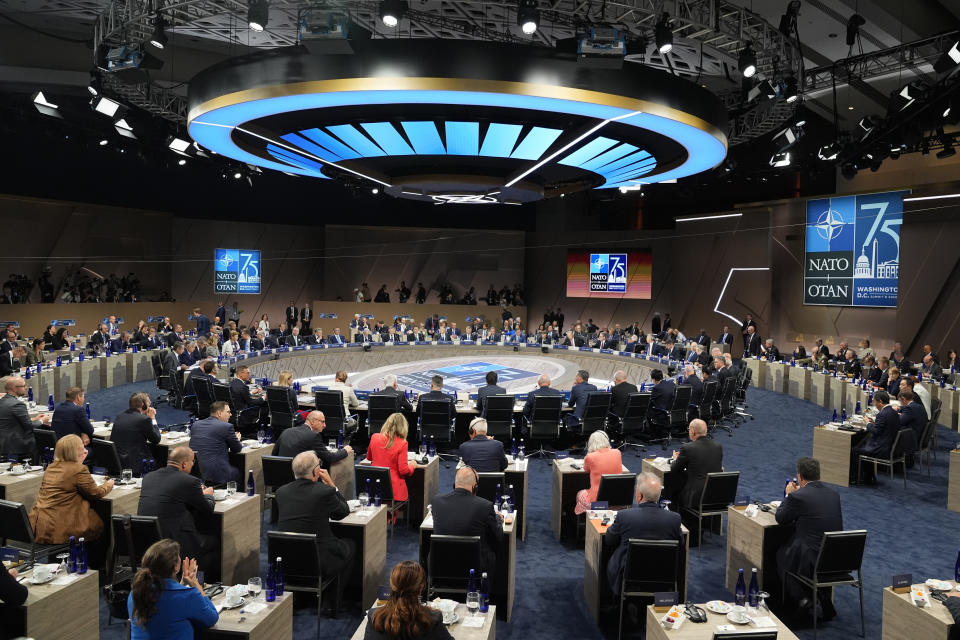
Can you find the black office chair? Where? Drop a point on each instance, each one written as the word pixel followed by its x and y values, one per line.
pixel 159 453
pixel 543 425
pixel 651 566
pixel 363 472
pixel 723 409
pixel 247 421
pixel 673 421
pixel 740 397
pixel 16 531
pixel 500 417
pixel 164 379
pixel 840 555
pixel 379 408
pixel 434 422
pixel 182 399
pixel 634 420
pixel 330 402
pixel 203 387
pixel 449 564
pixel 924 448
pixel 45 438
pixel 704 409
pixel 302 569
pixel 130 537
pixel 904 441
pixel 221 393
pixel 595 414
pixel 936 404
pixel 283 412
pixel 277 471
pixel 719 492
pixel 616 489
pixel 103 453
pixel 487 484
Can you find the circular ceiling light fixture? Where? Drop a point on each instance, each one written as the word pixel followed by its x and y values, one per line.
pixel 528 16
pixel 391 11
pixel 663 33
pixel 159 37
pixel 258 14
pixel 418 119
pixel 748 61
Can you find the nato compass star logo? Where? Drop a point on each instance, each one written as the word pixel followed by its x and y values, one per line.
pixel 225 259
pixel 599 263
pixel 830 224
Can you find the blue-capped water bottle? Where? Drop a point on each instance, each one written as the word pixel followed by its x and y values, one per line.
pixel 72 560
pixel 251 485
pixel 59 361
pixel 270 588
pixel 956 568
pixel 843 414
pixel 50 405
pixel 753 593
pixel 513 448
pixel 73 346
pixel 472 581
pixel 340 439
pixel 834 418
pixel 432 447
pixel 484 593
pixel 857 408
pixel 278 576
pixel 741 590
pixel 82 556
pixel 377 494
pixel 87 408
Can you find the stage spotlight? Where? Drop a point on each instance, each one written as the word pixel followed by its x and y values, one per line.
pixel 44 106
pixel 94 87
pixel 765 89
pixel 178 145
pixel 258 14
pixel 123 128
pixel 896 150
pixel 159 37
pixel 391 11
pixel 779 160
pixel 785 138
pixel 829 151
pixel 375 191
pixel 949 59
pixel 905 97
pixel 104 142
pixel 790 91
pixel 748 61
pixel 182 161
pixel 124 57
pixel 107 107
pixel 528 16
pixel 853 28
pixel 664 34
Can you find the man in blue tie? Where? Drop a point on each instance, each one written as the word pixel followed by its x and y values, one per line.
pixel 335 337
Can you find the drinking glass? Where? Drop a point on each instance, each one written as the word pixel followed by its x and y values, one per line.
pixel 473 603
pixel 665 504
pixel 762 606
pixel 126 476
pixel 26 464
pixel 231 489
pixel 364 498
pixel 423 449
pixel 254 585
pixel 262 436
pixel 62 557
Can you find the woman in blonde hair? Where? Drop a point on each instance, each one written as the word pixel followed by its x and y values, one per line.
pixel 63 502
pixel 161 607
pixel 389 449
pixel 285 379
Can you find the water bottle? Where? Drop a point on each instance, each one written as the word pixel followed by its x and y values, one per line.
pixel 787 484
pixel 190 425
pixel 50 405
pixel 278 576
pixel 741 591
pixel 956 569
pixel 27 376
pixel 513 448
pixel 510 498
pixel 522 452
pixel 73 346
pixel 58 361
pixel 340 439
pixel 843 414
pixel 472 581
pixel 752 594
pixel 484 593
pixel 270 592
pixel 72 562
pixel 29 392
pixel 857 409
pixel 498 496
pixel 80 356
pixel 432 447
pixel 834 419
pixel 143 467
pixel 87 407
pixel 108 352
pixel 251 485
pixel 377 494
pixel 82 557
pixel 39 367
pixel 152 464
pixel 793 362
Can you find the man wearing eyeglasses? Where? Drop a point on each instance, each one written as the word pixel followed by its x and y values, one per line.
pixel 16 428
pixel 463 513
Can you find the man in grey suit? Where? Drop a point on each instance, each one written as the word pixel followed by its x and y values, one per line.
pixel 16 428
pixel 490 389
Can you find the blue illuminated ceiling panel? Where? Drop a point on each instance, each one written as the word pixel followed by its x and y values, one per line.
pixel 324 139
pixel 297 160
pixel 388 138
pixel 624 161
pixel 609 156
pixel 463 138
pixel 500 139
pixel 424 137
pixel 309 147
pixel 588 151
pixel 352 136
pixel 535 143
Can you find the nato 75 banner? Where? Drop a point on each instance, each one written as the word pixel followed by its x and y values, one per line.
pixel 236 271
pixel 853 250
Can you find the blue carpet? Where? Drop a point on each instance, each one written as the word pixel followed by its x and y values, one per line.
pixel 549 600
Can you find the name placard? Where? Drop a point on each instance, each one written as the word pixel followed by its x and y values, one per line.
pixel 599 505
pixel 901 582
pixel 663 600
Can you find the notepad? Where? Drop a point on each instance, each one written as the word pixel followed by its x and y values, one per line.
pixel 472 622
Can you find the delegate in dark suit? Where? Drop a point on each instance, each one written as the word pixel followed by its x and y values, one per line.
pixel 403 404
pixel 131 432
pixel 308 507
pixel 814 509
pixel 661 396
pixel 243 399
pixel 436 395
pixel 483 392
pixel 302 438
pixel 751 344
pixel 578 400
pixel 620 396
pixel 70 418
pixel 483 454
pixel 16 429
pixel 645 521
pixel 697 459
pixel 882 432
pixel 176 498
pixel 460 513
pixel 212 439
pixel 696 392
pixel 531 398
pixel 8 364
pixel 912 416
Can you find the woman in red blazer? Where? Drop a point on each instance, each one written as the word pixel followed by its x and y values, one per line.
pixel 389 449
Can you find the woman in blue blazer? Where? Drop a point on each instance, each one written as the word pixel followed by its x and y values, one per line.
pixel 161 607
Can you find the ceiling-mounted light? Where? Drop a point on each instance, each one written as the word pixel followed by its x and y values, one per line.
pixel 182 161
pixel 178 145
pixel 896 150
pixel 779 160
pixel 949 59
pixel 44 106
pixel 159 37
pixel 258 14
pixel 853 28
pixel 123 128
pixel 829 151
pixel 94 87
pixel 664 34
pixel 391 11
pixel 748 61
pixel 104 142
pixel 528 16
pixel 106 106
pixel 905 97
pixel 790 93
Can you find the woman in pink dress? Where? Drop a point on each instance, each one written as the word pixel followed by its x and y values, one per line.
pixel 600 459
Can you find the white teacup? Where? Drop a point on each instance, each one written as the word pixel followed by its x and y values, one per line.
pixel 219 494
pixel 18 469
pixel 234 595
pixel 738 614
pixel 42 573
